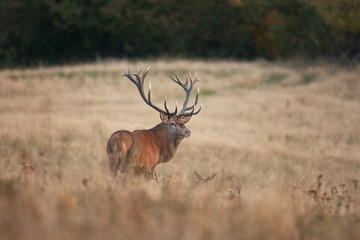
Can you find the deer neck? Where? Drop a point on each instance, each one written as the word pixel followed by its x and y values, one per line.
pixel 168 144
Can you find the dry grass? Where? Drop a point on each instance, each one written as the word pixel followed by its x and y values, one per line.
pixel 284 138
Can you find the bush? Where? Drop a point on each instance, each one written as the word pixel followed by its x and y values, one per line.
pixel 51 31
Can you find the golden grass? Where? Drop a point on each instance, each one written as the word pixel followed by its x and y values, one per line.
pixel 285 138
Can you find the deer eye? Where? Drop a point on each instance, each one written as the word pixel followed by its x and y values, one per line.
pixel 173 124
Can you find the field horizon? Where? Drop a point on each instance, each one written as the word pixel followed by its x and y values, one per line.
pixel 283 138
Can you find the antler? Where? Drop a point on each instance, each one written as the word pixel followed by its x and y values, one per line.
pixel 201 180
pixel 139 82
pixel 187 86
pixel 184 111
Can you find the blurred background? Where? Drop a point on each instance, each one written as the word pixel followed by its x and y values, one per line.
pixel 53 32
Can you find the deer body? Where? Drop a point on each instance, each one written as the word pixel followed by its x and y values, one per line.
pixel 139 152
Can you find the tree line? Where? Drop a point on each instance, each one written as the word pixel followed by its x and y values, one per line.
pixel 61 31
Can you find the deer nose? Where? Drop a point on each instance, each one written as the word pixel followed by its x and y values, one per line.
pixel 187 133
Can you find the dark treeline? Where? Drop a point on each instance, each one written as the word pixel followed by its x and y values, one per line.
pixel 62 31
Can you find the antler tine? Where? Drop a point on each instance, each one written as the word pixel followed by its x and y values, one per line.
pixel 128 75
pixel 183 85
pixel 166 109
pixel 196 78
pixel 191 113
pixel 176 107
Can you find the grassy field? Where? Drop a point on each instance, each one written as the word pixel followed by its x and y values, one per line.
pixel 283 138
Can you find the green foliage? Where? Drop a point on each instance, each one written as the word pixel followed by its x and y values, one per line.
pixel 342 17
pixel 52 31
pixel 308 78
pixel 275 78
pixel 207 92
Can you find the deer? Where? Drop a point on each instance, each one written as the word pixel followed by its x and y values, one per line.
pixel 140 151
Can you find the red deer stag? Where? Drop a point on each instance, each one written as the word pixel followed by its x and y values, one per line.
pixel 139 152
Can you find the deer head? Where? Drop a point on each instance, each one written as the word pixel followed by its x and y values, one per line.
pixel 174 122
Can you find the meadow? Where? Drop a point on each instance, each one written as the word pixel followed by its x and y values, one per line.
pixel 283 138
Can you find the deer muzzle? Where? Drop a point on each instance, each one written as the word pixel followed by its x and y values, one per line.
pixel 187 133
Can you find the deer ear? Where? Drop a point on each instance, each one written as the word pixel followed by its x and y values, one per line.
pixel 164 117
pixel 185 119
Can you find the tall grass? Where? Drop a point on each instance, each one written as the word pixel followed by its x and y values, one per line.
pixel 287 154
